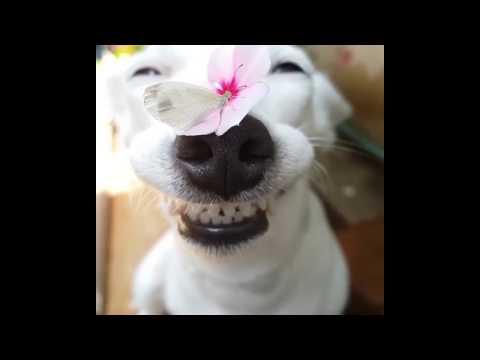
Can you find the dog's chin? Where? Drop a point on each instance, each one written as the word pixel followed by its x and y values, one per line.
pixel 221 227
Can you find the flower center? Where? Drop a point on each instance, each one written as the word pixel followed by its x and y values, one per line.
pixel 227 94
pixel 229 90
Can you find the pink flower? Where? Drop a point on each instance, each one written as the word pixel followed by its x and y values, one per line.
pixel 235 73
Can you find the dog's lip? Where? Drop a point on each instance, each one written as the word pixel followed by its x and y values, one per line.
pixel 225 234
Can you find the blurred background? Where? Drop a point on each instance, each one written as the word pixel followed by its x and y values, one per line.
pixel 352 188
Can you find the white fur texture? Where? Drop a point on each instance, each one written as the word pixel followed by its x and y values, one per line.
pixel 296 267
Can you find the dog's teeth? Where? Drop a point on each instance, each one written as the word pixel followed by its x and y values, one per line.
pixel 217 214
pixel 247 210
pixel 213 210
pixel 229 210
pixel 216 220
pixel 262 204
pixel 204 217
pixel 192 212
pixel 238 217
pixel 226 220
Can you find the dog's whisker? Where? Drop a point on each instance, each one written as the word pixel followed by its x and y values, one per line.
pixel 346 149
pixel 320 167
pixel 323 177
pixel 336 147
pixel 336 141
pixel 338 144
pixel 144 198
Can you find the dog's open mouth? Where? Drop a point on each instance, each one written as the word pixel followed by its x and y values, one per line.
pixel 220 225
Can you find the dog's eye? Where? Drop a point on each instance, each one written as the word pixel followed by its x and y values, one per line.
pixel 286 67
pixel 146 71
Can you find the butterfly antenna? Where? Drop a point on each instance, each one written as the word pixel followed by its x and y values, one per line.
pixel 238 68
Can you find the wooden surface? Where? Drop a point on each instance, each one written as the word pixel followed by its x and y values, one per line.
pixel 103 212
pixel 133 232
pixel 363 245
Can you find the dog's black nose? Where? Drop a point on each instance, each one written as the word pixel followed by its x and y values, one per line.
pixel 227 164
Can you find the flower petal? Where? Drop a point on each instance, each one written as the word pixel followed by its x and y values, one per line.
pixel 239 107
pixel 251 63
pixel 207 126
pixel 220 65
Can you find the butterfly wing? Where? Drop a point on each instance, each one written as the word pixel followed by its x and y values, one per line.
pixel 180 105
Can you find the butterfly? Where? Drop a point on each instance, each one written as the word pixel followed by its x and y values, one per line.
pixel 182 105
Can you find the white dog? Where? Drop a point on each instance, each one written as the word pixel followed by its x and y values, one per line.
pixel 249 236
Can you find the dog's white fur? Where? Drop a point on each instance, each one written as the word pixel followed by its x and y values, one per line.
pixel 296 267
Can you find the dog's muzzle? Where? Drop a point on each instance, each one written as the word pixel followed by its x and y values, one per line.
pixel 225 166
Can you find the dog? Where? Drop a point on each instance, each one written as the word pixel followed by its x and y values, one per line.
pixel 248 235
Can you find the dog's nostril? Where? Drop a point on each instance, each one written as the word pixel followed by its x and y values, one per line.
pixel 256 149
pixel 192 149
